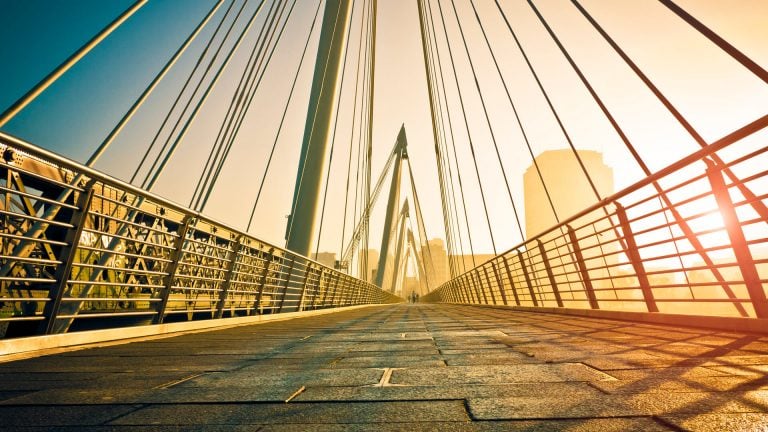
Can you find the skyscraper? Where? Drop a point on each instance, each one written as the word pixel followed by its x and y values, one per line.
pixel 567 185
pixel 438 272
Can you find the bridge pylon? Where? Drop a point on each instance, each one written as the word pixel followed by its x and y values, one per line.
pixel 322 100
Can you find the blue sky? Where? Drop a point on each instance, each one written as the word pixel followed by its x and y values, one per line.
pixel 41 34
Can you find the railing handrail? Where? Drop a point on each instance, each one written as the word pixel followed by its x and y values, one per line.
pixel 52 158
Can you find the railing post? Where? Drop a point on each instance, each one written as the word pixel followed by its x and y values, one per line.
pixel 331 289
pixel 634 257
pixel 224 293
pixel 585 279
pixel 307 272
pixel 178 252
pixel 550 275
pixel 499 283
pixel 456 291
pixel 64 270
pixel 738 241
pixel 319 286
pixel 474 297
pixel 264 278
pixel 511 281
pixel 327 288
pixel 337 290
pixel 459 290
pixel 479 286
pixel 355 299
pixel 287 283
pixel 527 278
pixel 488 281
pixel 468 289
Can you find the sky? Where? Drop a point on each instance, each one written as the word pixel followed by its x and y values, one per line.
pixel 73 116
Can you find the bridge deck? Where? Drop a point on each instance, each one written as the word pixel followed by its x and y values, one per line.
pixel 422 367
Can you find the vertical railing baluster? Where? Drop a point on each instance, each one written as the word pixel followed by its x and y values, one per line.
pixel 488 281
pixel 527 278
pixel 319 287
pixel 634 257
pixel 287 283
pixel 511 280
pixel 232 263
pixel 738 240
pixel 499 282
pixel 340 279
pixel 550 275
pixel 176 256
pixel 470 290
pixel 67 258
pixel 585 279
pixel 307 273
pixel 264 278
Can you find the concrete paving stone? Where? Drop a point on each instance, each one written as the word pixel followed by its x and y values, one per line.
pixel 94 381
pixel 12 417
pixel 298 355
pixel 719 422
pixel 631 361
pixel 674 372
pixel 497 374
pixel 283 364
pixel 177 395
pixel 686 349
pixel 749 370
pixel 433 352
pixel 697 384
pixel 70 396
pixel 468 334
pixel 438 392
pixel 493 358
pixel 137 367
pixel 10 394
pixel 391 361
pixel 468 350
pixel 698 403
pixel 459 342
pixel 553 407
pixel 403 345
pixel 287 378
pixel 728 360
pixel 513 340
pixel 296 413
pixel 398 336
pixel 89 379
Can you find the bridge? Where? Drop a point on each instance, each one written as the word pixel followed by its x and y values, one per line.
pixel 573 235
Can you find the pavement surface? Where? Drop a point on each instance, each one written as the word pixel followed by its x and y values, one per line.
pixel 402 367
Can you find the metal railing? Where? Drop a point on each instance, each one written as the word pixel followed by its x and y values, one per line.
pixel 82 250
pixel 690 239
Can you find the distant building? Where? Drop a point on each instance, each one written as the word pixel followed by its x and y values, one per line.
pixel 465 262
pixel 373 261
pixel 325 258
pixel 567 185
pixel 438 272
